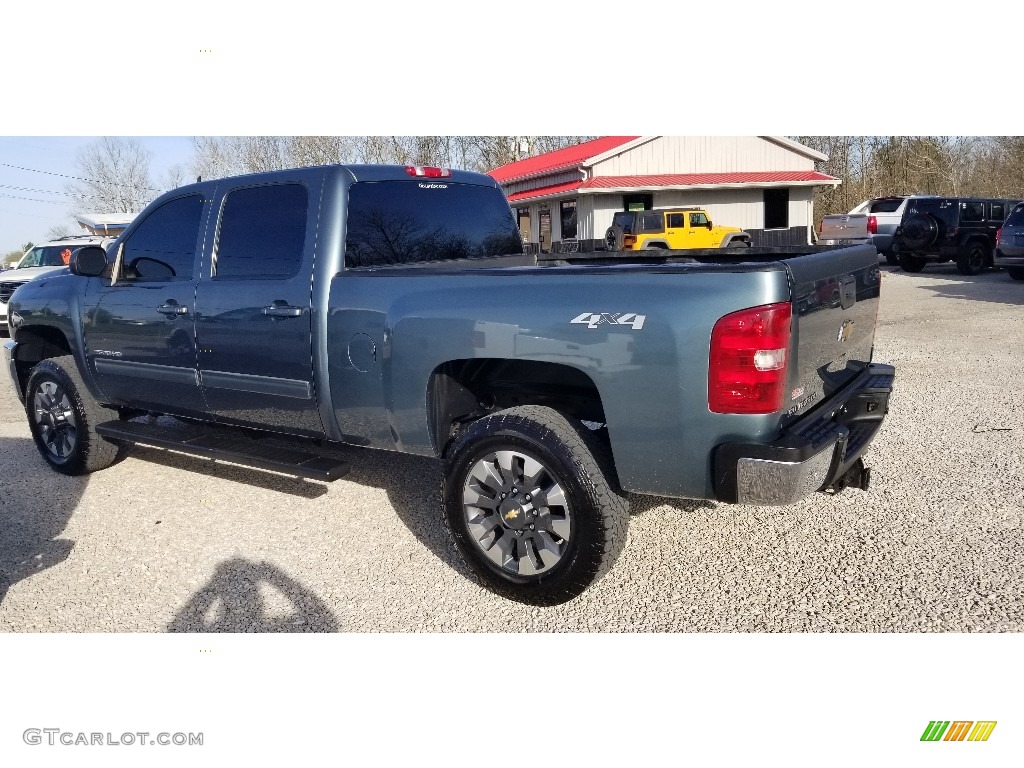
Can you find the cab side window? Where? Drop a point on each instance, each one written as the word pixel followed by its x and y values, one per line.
pixel 262 232
pixel 698 220
pixel 163 246
pixel 676 220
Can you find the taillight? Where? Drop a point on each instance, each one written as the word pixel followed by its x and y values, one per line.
pixel 429 171
pixel 747 365
pixel 820 223
pixel 999 236
pixel 872 225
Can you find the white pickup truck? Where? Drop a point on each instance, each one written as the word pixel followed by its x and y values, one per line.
pixel 40 260
pixel 873 221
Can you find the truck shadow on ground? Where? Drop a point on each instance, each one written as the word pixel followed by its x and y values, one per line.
pixel 413 487
pixel 36 504
pixel 235 600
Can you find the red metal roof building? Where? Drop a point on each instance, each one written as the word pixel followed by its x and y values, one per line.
pixel 764 184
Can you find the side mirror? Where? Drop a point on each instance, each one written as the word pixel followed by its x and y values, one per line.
pixel 708 225
pixel 90 261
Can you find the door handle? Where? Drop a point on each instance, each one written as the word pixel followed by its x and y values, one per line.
pixel 282 310
pixel 171 308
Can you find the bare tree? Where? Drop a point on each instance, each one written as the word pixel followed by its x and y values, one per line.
pixel 113 177
pixel 59 232
pixel 174 177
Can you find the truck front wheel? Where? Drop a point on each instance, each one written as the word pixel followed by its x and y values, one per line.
pixel 531 503
pixel 62 417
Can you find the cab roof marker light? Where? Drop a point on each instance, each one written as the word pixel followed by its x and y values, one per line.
pixel 428 171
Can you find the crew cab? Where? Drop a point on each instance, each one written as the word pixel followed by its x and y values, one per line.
pixel 393 308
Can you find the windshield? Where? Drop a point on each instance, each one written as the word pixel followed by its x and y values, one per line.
pixel 409 222
pixel 46 256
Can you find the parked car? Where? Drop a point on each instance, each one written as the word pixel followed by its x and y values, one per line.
pixel 41 260
pixel 670 229
pixel 873 221
pixel 1010 244
pixel 940 229
pixel 393 308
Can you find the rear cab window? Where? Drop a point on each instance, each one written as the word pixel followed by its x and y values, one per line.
pixel 413 222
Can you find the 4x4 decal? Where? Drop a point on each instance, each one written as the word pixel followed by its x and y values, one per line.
pixel 594 319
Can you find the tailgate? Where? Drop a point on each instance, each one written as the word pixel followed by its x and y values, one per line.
pixel 835 306
pixel 844 226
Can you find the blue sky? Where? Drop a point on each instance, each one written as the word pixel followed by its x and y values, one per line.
pixel 22 220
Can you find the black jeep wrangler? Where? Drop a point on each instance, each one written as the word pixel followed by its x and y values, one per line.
pixel 940 229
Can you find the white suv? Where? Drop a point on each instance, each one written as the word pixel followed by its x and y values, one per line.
pixel 40 260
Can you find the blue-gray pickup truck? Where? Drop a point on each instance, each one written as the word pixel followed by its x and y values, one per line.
pixel 393 308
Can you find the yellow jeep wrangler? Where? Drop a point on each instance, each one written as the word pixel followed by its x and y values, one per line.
pixel 670 228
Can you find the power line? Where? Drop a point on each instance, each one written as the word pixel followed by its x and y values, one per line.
pixel 65 176
pixel 36 200
pixel 48 192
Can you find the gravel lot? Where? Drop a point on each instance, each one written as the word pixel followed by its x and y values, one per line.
pixel 164 542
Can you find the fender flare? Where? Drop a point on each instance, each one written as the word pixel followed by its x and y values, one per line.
pixel 742 235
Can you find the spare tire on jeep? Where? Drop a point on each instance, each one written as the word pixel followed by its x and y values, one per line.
pixel 919 231
pixel 613 238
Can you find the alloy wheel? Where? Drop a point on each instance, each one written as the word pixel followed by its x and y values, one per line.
pixel 517 512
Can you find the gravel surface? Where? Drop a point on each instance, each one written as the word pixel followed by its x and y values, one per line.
pixel 165 542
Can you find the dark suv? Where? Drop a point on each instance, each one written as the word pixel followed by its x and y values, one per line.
pixel 942 229
pixel 1010 244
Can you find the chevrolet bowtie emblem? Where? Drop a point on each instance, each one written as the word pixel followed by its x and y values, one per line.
pixel 845 331
pixel 512 514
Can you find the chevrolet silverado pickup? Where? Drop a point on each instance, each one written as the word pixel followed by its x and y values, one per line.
pixel 393 308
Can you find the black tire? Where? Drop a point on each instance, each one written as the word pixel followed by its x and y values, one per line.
pixel 972 259
pixel 910 263
pixel 613 238
pixel 891 258
pixel 1017 273
pixel 738 244
pixel 62 417
pixel 919 231
pixel 577 469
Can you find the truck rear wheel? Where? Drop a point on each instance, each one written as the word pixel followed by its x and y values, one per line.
pixel 62 417
pixel 530 502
